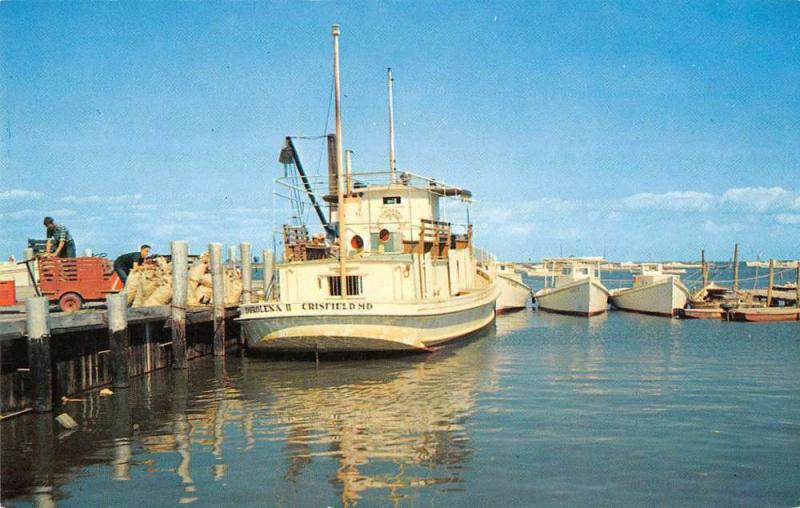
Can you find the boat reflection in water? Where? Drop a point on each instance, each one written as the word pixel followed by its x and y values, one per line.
pixel 388 425
pixel 376 430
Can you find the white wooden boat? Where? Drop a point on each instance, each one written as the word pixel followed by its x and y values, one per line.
pixel 776 264
pixel 576 290
pixel 514 293
pixel 402 279
pixel 653 292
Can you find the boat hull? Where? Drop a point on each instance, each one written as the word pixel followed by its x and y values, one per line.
pixel 702 313
pixel 766 314
pixel 664 298
pixel 355 327
pixel 582 298
pixel 514 295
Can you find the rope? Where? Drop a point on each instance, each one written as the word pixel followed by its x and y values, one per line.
pixel 741 279
pixel 311 137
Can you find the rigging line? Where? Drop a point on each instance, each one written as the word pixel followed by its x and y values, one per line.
pixel 309 137
pixel 325 130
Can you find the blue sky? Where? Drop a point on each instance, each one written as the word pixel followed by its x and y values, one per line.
pixel 644 130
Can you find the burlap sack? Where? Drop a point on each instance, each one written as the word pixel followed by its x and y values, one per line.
pixel 203 295
pixel 131 285
pixel 161 296
pixel 139 296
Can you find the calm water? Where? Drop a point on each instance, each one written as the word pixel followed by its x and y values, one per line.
pixel 544 410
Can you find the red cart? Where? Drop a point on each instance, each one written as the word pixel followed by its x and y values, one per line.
pixel 73 281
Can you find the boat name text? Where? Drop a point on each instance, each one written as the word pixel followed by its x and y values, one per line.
pixel 289 307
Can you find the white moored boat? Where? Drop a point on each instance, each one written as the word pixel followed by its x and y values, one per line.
pixel 514 294
pixel 653 292
pixel 405 280
pixel 576 289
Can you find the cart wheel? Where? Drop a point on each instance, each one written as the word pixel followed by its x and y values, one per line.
pixel 70 302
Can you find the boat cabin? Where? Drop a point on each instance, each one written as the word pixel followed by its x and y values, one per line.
pixel 650 273
pixel 568 270
pixel 399 246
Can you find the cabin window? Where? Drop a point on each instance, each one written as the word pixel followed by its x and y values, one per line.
pixel 354 285
pixel 391 200
pixel 566 271
pixel 583 271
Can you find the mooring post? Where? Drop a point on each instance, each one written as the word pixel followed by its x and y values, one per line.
pixel 736 267
pixel 247 272
pixel 797 288
pixel 770 281
pixel 121 433
pixel 218 297
pixel 37 310
pixel 269 264
pixel 42 459
pixel 180 282
pixel 703 267
pixel 118 338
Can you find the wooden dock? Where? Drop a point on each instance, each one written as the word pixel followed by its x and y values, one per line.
pixel 80 349
pixel 12 325
pixel 46 355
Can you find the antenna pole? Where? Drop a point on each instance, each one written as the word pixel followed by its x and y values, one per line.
pixel 339 166
pixel 392 160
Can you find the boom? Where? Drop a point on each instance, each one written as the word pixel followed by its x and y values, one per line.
pixel 290 151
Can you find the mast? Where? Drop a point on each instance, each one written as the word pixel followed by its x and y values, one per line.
pixel 339 166
pixel 348 157
pixel 392 161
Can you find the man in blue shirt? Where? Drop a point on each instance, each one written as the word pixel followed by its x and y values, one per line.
pixel 58 234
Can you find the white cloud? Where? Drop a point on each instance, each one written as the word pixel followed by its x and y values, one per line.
pixel 30 213
pixel 761 199
pixel 20 214
pixel 245 211
pixel 95 199
pixel 20 194
pixel 788 218
pixel 713 227
pixel 187 215
pixel 520 228
pixel 689 201
pixel 61 212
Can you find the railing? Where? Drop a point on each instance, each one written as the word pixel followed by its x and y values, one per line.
pixel 319 184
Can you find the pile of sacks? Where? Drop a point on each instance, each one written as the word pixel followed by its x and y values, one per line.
pixel 151 284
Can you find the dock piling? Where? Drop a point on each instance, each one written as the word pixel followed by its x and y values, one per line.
pixel 37 310
pixel 118 338
pixel 218 297
pixel 247 272
pixel 180 283
pixel 770 282
pixel 269 263
pixel 736 267
pixel 704 268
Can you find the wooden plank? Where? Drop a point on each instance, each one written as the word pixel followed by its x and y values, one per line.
pixel 96 319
